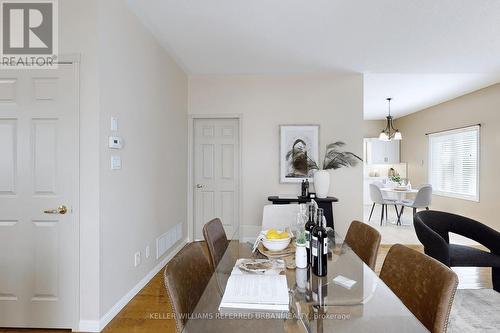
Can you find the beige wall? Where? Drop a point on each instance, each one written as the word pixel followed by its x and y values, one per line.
pixel 372 128
pixel 124 72
pixel 333 101
pixel 482 107
pixel 142 86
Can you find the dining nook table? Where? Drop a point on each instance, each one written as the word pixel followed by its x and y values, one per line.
pixel 399 195
pixel 316 304
pixel 399 192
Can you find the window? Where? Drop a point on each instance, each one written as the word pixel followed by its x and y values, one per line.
pixel 454 163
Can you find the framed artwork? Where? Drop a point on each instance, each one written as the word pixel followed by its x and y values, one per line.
pixel 299 152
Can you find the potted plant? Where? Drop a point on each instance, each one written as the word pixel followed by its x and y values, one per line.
pixel 335 158
pixel 396 179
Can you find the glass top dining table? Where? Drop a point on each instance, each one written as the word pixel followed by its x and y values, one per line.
pixel 316 304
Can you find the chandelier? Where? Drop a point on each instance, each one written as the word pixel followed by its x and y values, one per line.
pixel 389 132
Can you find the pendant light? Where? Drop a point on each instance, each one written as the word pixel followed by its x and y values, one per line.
pixel 389 132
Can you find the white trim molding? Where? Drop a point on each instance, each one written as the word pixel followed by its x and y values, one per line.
pixel 190 184
pixel 98 326
pixel 73 59
pixel 88 326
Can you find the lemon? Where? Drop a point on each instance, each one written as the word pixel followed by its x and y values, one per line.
pixel 272 234
pixel 283 235
pixel 276 234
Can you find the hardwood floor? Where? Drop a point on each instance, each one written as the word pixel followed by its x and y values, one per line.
pixel 27 330
pixel 147 312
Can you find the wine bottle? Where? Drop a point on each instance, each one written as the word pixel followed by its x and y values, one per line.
pixel 303 189
pixel 308 230
pixel 314 242
pixel 319 290
pixel 307 188
pixel 320 246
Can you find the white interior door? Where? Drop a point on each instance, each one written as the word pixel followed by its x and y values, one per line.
pixel 216 173
pixel 38 172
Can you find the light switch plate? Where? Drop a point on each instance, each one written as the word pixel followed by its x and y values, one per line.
pixel 114 124
pixel 137 259
pixel 116 162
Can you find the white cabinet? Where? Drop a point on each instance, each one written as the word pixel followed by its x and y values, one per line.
pixel 381 152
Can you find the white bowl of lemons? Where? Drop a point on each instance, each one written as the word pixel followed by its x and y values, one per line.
pixel 276 240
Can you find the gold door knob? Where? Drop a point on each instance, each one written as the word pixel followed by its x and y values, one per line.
pixel 59 210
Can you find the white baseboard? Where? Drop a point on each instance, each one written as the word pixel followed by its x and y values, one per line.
pixel 88 326
pixel 98 326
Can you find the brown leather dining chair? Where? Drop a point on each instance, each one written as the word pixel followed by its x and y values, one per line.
pixel 216 239
pixel 364 240
pixel 424 285
pixel 186 277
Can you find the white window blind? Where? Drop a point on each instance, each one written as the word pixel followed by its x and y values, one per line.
pixel 454 163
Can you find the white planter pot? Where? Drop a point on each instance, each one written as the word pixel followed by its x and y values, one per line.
pixel 322 183
pixel 301 256
pixel 301 278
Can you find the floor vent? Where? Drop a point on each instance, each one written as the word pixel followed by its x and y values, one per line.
pixel 167 240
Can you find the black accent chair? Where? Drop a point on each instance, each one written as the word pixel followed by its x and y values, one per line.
pixel 433 228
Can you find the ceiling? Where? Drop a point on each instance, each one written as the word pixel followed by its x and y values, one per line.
pixel 421 52
pixel 415 92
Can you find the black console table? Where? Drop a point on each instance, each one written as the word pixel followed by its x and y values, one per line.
pixel 325 203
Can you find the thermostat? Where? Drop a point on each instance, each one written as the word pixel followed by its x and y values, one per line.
pixel 115 142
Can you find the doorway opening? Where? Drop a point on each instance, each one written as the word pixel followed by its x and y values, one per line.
pixel 383 169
